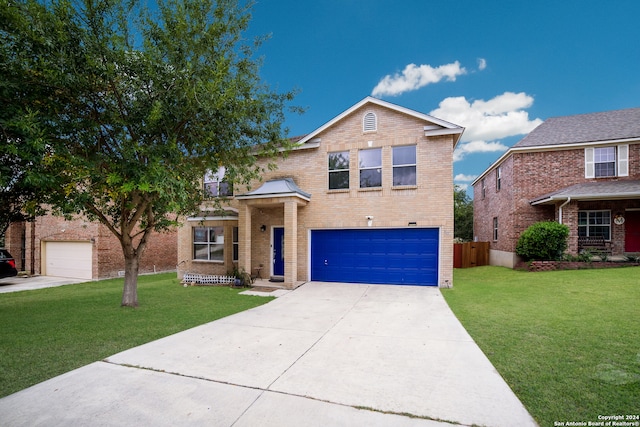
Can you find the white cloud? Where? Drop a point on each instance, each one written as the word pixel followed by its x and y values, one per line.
pixel 464 178
pixel 482 64
pixel 463 187
pixel 414 77
pixel 500 117
pixel 477 147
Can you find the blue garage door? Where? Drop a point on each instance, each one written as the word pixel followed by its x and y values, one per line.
pixel 405 256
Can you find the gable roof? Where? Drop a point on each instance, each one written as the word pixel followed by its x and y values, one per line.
pixel 594 127
pixel 581 129
pixel 437 127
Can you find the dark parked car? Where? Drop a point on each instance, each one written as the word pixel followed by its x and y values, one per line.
pixel 7 264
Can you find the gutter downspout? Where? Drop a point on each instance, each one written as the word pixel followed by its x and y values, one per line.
pixel 560 209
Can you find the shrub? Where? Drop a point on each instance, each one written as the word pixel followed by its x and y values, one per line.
pixel 543 241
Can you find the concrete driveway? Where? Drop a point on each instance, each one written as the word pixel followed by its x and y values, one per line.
pixel 326 354
pixel 29 283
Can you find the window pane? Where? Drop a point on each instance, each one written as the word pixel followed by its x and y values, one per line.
pixel 211 189
pixel 200 252
pixel 216 252
pixel 235 235
pixel 404 155
pixel 370 178
pixel 225 189
pixel 603 155
pixel 200 234
pixel 605 169
pixel 371 158
pixel 404 175
pixel 338 180
pixel 339 161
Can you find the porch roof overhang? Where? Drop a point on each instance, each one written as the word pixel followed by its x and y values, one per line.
pixel 608 190
pixel 276 188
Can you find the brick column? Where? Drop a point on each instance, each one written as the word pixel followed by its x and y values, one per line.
pixel 290 243
pixel 244 237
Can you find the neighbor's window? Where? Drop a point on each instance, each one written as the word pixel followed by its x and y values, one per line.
pixel 216 186
pixel 338 170
pixel 483 186
pixel 594 224
pixel 370 162
pixel 604 161
pixel 404 165
pixel 235 240
pixel 208 243
pixel 498 178
pixel 495 228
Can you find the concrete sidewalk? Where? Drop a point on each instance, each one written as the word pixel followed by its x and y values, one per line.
pixel 29 283
pixel 325 354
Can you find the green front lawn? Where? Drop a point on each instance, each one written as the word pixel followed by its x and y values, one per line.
pixel 567 342
pixel 47 332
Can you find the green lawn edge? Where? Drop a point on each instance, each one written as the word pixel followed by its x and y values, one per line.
pixel 566 342
pixel 48 332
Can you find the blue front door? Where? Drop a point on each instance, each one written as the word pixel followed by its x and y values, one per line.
pixel 278 251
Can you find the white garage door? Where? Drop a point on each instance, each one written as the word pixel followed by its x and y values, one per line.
pixel 68 259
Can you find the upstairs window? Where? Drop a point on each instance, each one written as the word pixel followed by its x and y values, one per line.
pixel 208 243
pixel 339 170
pixel 216 186
pixel 370 162
pixel 370 122
pixel 404 165
pixel 483 186
pixel 498 178
pixel 606 162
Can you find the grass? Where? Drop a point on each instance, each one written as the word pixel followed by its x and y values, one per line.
pixel 567 342
pixel 51 331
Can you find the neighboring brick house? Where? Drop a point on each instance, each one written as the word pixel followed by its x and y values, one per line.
pixel 81 249
pixel 367 198
pixel 582 171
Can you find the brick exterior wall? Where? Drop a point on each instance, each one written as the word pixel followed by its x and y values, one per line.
pixel 529 175
pixel 107 257
pixel 429 203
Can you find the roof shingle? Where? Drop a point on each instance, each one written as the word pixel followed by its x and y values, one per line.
pixel 592 127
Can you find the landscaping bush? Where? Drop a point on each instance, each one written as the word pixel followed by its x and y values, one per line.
pixel 543 241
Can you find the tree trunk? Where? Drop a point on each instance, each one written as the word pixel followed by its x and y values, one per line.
pixel 130 291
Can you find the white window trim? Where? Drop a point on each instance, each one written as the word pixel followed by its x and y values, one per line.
pixel 194 242
pixel 360 169
pixel 622 161
pixel 329 171
pixel 394 166
pixel 596 225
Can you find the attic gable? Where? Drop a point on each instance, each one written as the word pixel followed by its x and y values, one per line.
pixel 432 126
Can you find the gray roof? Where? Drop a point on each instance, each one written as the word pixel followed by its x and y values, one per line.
pixel 606 190
pixel 276 188
pixel 593 127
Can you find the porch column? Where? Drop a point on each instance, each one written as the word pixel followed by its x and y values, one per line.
pixel 290 244
pixel 570 219
pixel 244 237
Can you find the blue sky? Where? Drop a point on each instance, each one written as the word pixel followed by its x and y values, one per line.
pixel 498 68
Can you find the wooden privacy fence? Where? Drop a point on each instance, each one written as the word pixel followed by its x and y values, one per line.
pixel 470 254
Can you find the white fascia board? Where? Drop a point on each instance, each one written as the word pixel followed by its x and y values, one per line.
pixel 376 101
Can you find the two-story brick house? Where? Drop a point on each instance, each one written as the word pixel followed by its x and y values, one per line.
pixel 366 198
pixel 581 170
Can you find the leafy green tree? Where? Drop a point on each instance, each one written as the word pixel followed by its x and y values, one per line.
pixel 463 214
pixel 543 241
pixel 138 103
